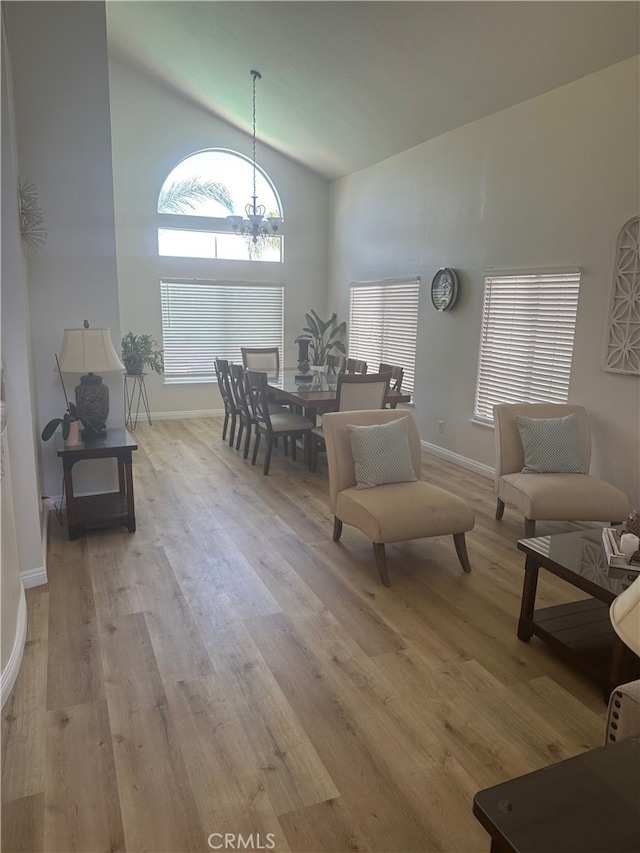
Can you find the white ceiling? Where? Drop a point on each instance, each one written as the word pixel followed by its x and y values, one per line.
pixel 348 84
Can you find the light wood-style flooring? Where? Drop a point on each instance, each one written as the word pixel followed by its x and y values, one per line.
pixel 230 669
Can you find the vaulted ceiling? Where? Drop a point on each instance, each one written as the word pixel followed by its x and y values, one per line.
pixel 348 84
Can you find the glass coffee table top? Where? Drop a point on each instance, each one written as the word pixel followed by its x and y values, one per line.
pixel 582 552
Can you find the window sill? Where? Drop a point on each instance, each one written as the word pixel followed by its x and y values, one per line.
pixel 483 424
pixel 189 380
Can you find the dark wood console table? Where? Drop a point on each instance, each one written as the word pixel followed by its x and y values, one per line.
pixel 114 509
pixel 589 803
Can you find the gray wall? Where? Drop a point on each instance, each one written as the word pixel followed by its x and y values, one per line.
pixel 549 182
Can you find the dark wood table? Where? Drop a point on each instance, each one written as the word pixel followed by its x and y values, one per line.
pixel 580 631
pixel 587 804
pixel 313 403
pixel 100 510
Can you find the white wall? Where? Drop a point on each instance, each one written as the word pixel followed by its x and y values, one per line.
pixel 147 143
pixel 16 350
pixel 549 182
pixel 61 96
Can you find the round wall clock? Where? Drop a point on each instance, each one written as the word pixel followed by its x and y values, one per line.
pixel 444 289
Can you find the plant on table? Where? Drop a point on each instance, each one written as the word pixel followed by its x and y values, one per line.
pixel 140 351
pixel 325 336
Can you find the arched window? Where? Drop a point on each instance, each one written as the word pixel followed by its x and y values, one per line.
pixel 198 195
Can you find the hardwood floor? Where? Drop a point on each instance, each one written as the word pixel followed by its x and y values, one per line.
pixel 229 668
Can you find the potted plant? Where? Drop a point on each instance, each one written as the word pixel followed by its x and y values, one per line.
pixel 324 336
pixel 140 351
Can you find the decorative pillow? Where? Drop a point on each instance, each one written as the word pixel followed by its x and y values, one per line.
pixel 550 445
pixel 381 453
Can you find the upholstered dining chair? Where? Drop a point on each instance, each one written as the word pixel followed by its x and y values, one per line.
pixel 356 365
pixel 354 391
pixel 221 366
pixel 273 425
pixel 397 376
pixel 266 359
pixel 543 453
pixel 375 468
pixel 336 363
pixel 242 400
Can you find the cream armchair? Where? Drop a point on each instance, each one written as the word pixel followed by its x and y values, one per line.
pixel 394 511
pixel 550 496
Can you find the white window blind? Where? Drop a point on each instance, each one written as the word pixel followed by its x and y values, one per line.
pixel 526 344
pixel 202 320
pixel 383 324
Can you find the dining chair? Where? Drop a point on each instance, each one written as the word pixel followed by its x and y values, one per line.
pixel 266 359
pixel 354 392
pixel 336 363
pixel 243 406
pixel 375 469
pixel 543 452
pixel 221 366
pixel 397 375
pixel 273 425
pixel 356 365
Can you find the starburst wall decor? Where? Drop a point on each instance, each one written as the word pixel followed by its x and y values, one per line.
pixel 622 352
pixel 32 230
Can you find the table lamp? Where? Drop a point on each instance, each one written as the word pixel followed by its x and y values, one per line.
pixel 90 352
pixel 625 616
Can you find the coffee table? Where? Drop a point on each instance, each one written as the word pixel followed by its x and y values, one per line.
pixel 590 804
pixel 580 631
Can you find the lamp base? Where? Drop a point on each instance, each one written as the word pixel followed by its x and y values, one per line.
pixel 92 401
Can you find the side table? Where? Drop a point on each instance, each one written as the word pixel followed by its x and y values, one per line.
pixel 114 509
pixel 589 803
pixel 134 384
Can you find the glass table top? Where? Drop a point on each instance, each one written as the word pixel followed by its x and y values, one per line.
pixel 582 552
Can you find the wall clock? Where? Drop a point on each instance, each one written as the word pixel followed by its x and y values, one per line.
pixel 444 289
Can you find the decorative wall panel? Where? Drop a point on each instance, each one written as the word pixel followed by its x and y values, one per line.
pixel 622 352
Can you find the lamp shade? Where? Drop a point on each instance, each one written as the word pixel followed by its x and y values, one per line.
pixel 88 351
pixel 625 616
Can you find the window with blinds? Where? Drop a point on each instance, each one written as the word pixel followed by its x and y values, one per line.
pixel 383 324
pixel 526 344
pixel 202 320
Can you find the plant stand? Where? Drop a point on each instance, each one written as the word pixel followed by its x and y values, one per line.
pixel 135 383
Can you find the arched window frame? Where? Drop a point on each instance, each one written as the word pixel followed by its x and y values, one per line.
pixel 189 222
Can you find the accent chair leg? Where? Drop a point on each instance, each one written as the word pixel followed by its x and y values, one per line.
pixel 337 528
pixel 461 550
pixel 381 562
pixel 499 509
pixel 529 528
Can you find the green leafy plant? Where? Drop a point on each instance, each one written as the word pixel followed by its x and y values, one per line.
pixel 139 351
pixel 325 336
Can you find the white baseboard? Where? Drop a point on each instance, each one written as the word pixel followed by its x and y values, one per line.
pixel 462 461
pixel 34 577
pixel 11 670
pixel 180 416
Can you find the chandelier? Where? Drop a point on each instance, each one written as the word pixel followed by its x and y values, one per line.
pixel 255 226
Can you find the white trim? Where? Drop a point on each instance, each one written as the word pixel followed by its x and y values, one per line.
pixel 34 577
pixel 11 670
pixel 462 461
pixel 179 416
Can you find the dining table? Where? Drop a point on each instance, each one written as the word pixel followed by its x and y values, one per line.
pixel 292 387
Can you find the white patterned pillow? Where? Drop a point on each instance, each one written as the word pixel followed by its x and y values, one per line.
pixel 550 445
pixel 381 453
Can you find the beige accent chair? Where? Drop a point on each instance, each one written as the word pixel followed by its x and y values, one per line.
pixel 550 497
pixel 393 512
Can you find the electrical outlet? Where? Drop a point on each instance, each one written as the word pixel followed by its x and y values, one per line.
pixel 440 426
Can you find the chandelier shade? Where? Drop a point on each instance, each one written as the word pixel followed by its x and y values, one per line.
pixel 255 226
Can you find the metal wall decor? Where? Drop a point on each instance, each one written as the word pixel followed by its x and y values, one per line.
pixel 32 230
pixel 622 350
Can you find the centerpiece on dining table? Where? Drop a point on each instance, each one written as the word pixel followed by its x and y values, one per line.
pixel 320 338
